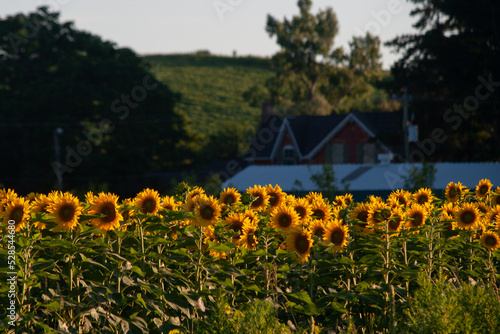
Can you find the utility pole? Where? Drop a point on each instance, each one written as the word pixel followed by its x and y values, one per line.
pixel 406 138
pixel 57 132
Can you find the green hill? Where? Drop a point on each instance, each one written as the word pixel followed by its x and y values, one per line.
pixel 212 88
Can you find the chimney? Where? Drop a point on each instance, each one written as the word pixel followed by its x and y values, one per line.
pixel 267 111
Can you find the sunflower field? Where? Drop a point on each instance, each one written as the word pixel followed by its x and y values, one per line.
pixel 259 261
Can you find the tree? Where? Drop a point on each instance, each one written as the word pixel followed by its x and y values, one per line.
pixel 306 43
pixel 452 67
pixel 117 120
pixel 314 78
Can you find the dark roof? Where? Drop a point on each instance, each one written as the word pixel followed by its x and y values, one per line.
pixel 309 131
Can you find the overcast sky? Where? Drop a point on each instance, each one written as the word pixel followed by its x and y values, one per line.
pixel 220 26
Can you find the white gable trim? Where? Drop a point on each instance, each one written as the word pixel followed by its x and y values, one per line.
pixel 285 126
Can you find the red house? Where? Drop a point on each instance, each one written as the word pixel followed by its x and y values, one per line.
pixel 357 137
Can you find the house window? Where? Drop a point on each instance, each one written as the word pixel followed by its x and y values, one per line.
pixel 366 153
pixel 288 155
pixel 337 154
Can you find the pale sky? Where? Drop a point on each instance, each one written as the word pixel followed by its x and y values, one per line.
pixel 220 26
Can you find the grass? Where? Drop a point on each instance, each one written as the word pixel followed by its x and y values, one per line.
pixel 212 88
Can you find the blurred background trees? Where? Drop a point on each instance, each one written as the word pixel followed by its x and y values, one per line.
pixel 116 120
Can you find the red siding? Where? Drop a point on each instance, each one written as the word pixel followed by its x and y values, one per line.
pixel 351 134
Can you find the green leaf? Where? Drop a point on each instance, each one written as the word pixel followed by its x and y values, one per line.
pixel 53 305
pixel 218 247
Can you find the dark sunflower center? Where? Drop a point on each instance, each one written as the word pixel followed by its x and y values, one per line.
pixel 302 244
pixel 17 214
pixel 337 237
pixel 301 211
pixel 109 210
pixel 491 241
pixel 483 189
pixel 402 200
pixel 453 192
pixel 418 219
pixel 285 220
pixel 318 213
pixel 229 199
pixel 236 226
pixel 168 207
pixel 319 231
pixel 206 212
pixel 251 239
pixel 258 201
pixel 67 212
pixel 394 224
pixel 363 216
pixel 273 199
pixel 496 200
pixel 423 198
pixel 148 205
pixel 468 217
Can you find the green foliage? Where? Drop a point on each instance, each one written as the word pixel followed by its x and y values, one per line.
pixel 116 118
pixel 212 88
pixel 314 78
pixel 443 307
pixel 451 58
pixel 420 177
pixel 256 317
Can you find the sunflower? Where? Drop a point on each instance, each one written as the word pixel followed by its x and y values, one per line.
pixel 210 235
pixel 378 213
pixel 346 199
pixel 276 196
pixel 400 197
pixel 89 197
pixel 248 238
pixel 467 216
pixel 490 240
pixel 169 203
pixel 39 205
pixel 336 234
pixel 5 196
pixel 16 209
pixel 107 205
pixel 454 191
pixel 448 208
pixel 207 210
pixel 483 188
pixel 196 191
pixel 360 216
pixel 317 227
pixel 447 220
pixel 321 210
pixel 423 196
pixel 495 198
pixel 229 196
pixel 374 199
pixel 493 217
pixel 416 215
pixel 235 222
pixel 396 221
pixel 252 216
pixel 303 208
pixel 66 209
pixel 483 213
pixel 261 199
pixel 284 218
pixel 148 201
pixel 126 213
pixel 300 242
pixel 313 196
